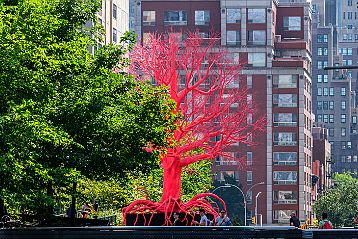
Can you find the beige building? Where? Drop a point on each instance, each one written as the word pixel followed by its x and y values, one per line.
pixel 114 17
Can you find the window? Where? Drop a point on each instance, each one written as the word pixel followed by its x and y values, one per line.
pixel 331 105
pixel 319 78
pixel 285 100
pixel 282 216
pixel 257 37
pixel 319 51
pixel 319 91
pixel 292 23
pixel 285 119
pixel 284 177
pixel 114 11
pixel 343 91
pixel 114 35
pixel 349 2
pixel 331 118
pixel 257 15
pixel 331 91
pixel 175 18
pixel 349 144
pixel 233 15
pixel 343 104
pixel 343 132
pixel 319 118
pixel 354 119
pixel 285 197
pixel 331 132
pixel 249 177
pixel 325 78
pixel 319 105
pixel 319 64
pixel 148 18
pixel 202 18
pixel 285 158
pixel 325 91
pixel 233 38
pixel 257 59
pixel 285 139
pixel 249 158
pixel 285 81
pixel 343 118
pixel 322 38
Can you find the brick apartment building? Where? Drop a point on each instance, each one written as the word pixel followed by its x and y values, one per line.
pixel 274 41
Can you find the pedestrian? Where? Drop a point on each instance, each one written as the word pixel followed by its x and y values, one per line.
pixel 222 219
pixel 325 223
pixel 355 222
pixel 204 221
pixel 177 221
pixel 294 221
pixel 95 209
pixel 85 210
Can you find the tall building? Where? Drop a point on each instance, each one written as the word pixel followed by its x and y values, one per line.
pixel 335 98
pixel 114 17
pixel 273 40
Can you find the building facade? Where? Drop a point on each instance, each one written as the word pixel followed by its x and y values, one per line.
pixel 114 17
pixel 273 41
pixel 334 99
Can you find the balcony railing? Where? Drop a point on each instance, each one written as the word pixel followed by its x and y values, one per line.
pixel 285 201
pixel 286 124
pixel 284 182
pixel 285 162
pixel 285 143
pixel 175 23
pixel 289 104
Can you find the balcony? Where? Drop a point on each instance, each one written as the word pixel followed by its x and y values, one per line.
pixel 284 124
pixel 284 182
pixel 284 104
pixel 175 23
pixel 285 143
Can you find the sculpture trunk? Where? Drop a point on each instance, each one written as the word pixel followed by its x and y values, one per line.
pixel 171 178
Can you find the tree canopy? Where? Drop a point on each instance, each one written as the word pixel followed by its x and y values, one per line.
pixel 340 202
pixel 65 113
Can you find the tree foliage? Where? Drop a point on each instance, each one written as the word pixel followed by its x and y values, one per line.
pixel 340 202
pixel 64 113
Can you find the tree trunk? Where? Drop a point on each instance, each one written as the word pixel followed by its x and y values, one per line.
pixel 171 178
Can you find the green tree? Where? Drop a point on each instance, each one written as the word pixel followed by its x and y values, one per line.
pixel 64 113
pixel 340 202
pixel 114 194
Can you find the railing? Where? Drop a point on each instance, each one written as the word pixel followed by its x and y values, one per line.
pixel 287 124
pixel 285 143
pixel 175 23
pixel 233 232
pixel 284 182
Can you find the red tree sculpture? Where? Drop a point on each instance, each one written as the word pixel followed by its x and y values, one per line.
pixel 204 80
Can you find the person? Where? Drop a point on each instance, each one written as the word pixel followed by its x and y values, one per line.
pixel 325 223
pixel 355 222
pixel 177 221
pixel 204 221
pixel 69 210
pixel 86 209
pixel 294 221
pixel 95 210
pixel 222 219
